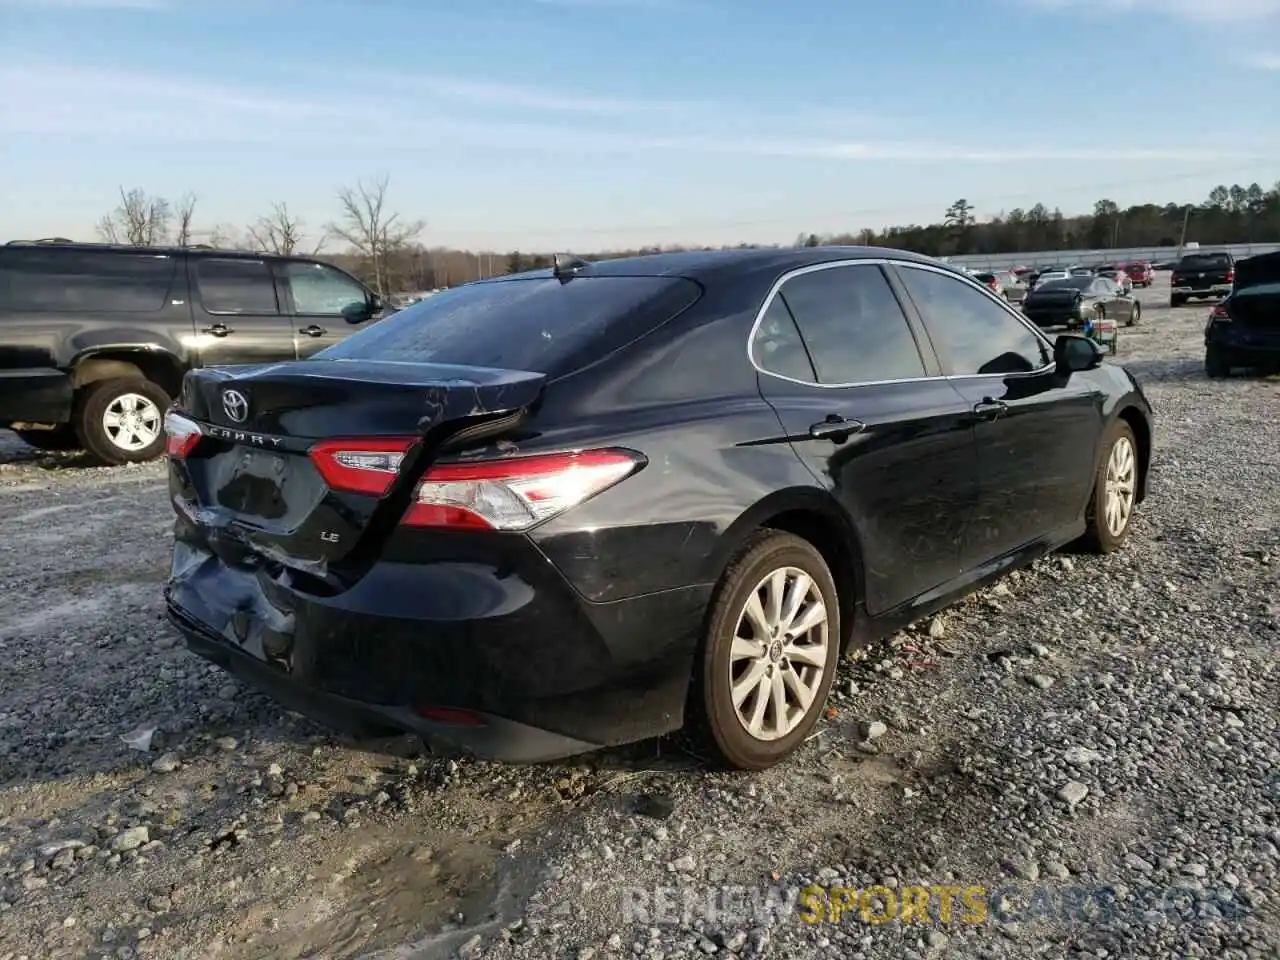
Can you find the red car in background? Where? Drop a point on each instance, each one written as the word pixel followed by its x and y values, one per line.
pixel 1140 272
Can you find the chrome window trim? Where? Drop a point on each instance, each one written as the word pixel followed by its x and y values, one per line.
pixel 887 262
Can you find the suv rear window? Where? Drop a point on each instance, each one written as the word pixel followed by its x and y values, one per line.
pixel 1204 261
pixel 535 324
pixel 78 281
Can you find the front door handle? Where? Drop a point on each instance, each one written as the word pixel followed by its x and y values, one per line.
pixel 836 428
pixel 314 331
pixel 989 409
pixel 218 330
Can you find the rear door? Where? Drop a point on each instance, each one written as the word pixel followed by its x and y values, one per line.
pixel 325 304
pixel 869 415
pixel 1036 435
pixel 237 312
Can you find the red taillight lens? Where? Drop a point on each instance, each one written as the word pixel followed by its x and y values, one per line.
pixel 515 493
pixel 367 466
pixel 1231 275
pixel 180 435
pixel 1219 312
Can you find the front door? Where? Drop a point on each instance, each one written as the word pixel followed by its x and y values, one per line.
pixel 326 304
pixel 875 424
pixel 1036 432
pixel 237 312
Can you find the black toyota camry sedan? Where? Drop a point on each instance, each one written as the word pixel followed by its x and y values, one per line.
pixel 536 515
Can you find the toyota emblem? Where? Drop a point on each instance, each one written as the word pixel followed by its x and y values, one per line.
pixel 235 405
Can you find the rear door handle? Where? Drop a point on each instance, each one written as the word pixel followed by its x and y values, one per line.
pixel 218 330
pixel 836 428
pixel 989 409
pixel 314 331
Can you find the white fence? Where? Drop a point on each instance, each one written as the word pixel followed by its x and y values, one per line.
pixel 1004 261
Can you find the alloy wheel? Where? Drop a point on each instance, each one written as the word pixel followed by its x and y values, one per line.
pixel 778 659
pixel 1121 471
pixel 132 422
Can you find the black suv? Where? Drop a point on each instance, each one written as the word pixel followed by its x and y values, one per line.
pixel 95 338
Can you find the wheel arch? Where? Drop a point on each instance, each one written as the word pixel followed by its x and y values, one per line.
pixel 1142 436
pixel 105 363
pixel 814 516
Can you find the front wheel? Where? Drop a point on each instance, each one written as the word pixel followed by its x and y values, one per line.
pixel 770 652
pixel 1115 491
pixel 122 420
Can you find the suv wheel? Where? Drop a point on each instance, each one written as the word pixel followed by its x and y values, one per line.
pixel 770 654
pixel 59 439
pixel 1115 491
pixel 122 420
pixel 1177 301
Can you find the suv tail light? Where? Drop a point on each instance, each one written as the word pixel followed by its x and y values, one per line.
pixel 514 493
pixel 180 435
pixel 1231 274
pixel 1220 312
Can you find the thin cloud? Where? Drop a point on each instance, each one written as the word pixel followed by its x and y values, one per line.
pixel 134 108
pixel 1231 12
pixel 521 97
pixel 1264 61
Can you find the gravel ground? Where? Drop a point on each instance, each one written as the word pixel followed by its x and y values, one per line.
pixel 1093 742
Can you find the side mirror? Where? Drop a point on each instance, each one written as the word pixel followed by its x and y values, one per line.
pixel 358 312
pixel 1074 354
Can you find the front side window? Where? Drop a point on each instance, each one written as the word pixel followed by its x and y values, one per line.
pixel 852 325
pixel 320 290
pixel 236 287
pixel 974 334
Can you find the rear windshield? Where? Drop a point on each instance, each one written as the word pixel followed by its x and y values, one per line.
pixel 984 277
pixel 1069 283
pixel 76 281
pixel 1204 261
pixel 535 324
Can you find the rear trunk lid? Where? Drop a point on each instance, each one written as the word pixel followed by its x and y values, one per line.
pixel 1255 296
pixel 257 488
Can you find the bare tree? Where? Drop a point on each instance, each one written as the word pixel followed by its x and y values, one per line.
pixel 140 219
pixel 184 214
pixel 368 226
pixel 278 232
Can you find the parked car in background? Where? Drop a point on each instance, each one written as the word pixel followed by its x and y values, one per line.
pixel 1244 329
pixel 95 338
pixel 1082 271
pixel 1201 275
pixel 1050 274
pixel 1116 274
pixel 1072 300
pixel 1003 284
pixel 593 504
pixel 1140 273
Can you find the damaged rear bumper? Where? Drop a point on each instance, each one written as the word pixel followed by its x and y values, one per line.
pixel 523 667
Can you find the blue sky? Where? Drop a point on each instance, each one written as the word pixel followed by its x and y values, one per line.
pixel 592 124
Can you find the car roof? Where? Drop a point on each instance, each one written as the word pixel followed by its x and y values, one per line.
pixel 715 264
pixel 169 250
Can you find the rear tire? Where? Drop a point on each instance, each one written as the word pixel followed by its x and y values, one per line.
pixel 1135 314
pixel 122 420
pixel 1215 364
pixel 1115 491
pixel 59 439
pixel 754 661
pixel 1177 301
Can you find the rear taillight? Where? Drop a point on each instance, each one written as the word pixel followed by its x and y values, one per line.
pixel 1220 312
pixel 367 466
pixel 180 435
pixel 515 493
pixel 1231 275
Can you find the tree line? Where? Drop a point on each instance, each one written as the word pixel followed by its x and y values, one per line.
pixel 382 246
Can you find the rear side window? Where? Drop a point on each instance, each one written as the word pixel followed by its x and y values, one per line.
pixel 536 324
pixel 235 287
pixel 777 348
pixel 48 281
pixel 852 325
